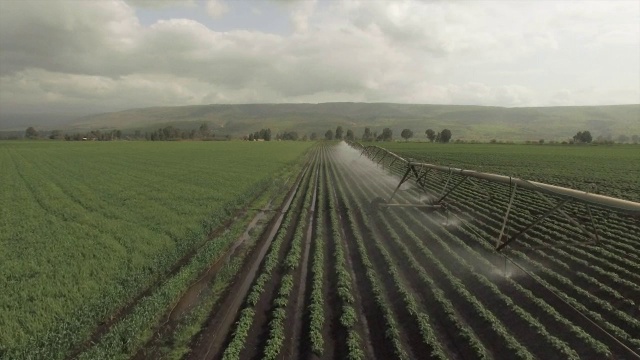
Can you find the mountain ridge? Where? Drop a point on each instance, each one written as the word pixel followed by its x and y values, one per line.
pixel 469 122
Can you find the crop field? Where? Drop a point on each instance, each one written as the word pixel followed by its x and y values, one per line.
pixel 609 170
pixel 87 230
pixel 332 274
pixel 345 279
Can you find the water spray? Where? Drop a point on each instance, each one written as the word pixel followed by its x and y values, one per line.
pixel 417 172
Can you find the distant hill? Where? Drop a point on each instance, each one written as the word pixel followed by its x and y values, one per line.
pixel 465 121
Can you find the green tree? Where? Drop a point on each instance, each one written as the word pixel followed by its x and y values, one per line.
pixel 265 134
pixel 349 135
pixel 56 135
pixel 445 136
pixel 387 134
pixel 339 132
pixel 431 135
pixel 289 135
pixel 204 130
pixel 406 134
pixel 31 133
pixel 367 136
pixel 170 133
pixel 314 136
pixel 583 137
pixel 328 135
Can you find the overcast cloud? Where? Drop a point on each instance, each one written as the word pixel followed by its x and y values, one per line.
pixel 91 56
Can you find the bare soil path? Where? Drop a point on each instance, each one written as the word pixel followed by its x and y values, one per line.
pixel 213 336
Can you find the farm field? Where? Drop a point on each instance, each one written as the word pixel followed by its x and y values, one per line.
pixel 89 229
pixel 345 279
pixel 609 170
pixel 331 275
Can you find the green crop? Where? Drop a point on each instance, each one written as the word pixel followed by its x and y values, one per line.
pixel 85 227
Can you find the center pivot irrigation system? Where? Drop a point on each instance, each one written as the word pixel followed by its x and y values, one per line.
pixel 418 172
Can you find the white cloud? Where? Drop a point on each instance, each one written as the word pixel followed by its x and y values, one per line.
pixel 74 37
pixel 60 91
pixel 98 55
pixel 217 8
pixel 160 3
pixel 301 13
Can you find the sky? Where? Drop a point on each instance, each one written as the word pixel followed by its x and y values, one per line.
pixel 89 56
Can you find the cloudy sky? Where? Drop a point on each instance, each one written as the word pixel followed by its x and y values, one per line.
pixel 89 56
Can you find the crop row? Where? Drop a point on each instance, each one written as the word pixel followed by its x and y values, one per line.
pixel 290 265
pixel 102 225
pixel 523 314
pixel 316 306
pixel 135 327
pixel 245 321
pixel 480 311
pixel 485 220
pixel 566 283
pixel 552 317
pixel 392 331
pixel 348 314
pixel 479 234
pixel 421 318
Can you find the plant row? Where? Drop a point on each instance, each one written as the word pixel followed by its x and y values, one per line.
pixel 392 332
pixel 348 314
pixel 270 262
pixel 547 308
pixel 290 265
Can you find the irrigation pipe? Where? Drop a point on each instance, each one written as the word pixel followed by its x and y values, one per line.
pixel 555 294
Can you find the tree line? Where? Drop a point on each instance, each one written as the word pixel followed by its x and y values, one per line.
pixel 169 133
pixel 443 136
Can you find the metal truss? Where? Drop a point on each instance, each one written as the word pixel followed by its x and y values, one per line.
pixel 417 173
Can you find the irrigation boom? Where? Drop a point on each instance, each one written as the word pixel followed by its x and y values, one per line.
pixel 579 196
pixel 417 171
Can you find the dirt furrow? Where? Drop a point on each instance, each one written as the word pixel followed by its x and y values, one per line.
pixel 210 342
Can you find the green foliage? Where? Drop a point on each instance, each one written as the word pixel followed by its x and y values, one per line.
pixel 431 135
pixel 354 346
pixel 465 121
pixel 328 135
pixel 233 350
pixel 608 170
pixel 316 308
pixel 444 136
pixel 264 134
pixel 270 263
pixel 348 317
pixel 103 221
pixel 350 136
pixel 31 133
pixel 386 135
pixel 291 262
pixel 583 137
pixel 406 134
pixel 367 135
pixel 279 316
pixel 457 253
